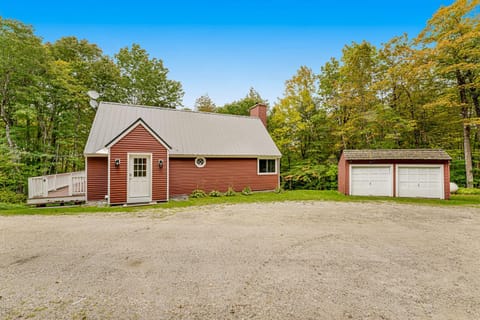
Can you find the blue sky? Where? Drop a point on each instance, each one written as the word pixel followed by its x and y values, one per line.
pixel 225 47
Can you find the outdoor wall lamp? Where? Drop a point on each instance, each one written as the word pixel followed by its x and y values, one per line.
pixel 160 163
pixel 117 163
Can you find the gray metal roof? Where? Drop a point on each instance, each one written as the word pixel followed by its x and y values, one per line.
pixel 396 154
pixel 188 133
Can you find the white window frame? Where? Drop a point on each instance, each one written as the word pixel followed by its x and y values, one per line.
pixel 204 162
pixel 267 173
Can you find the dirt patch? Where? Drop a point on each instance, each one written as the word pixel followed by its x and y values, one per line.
pixel 302 260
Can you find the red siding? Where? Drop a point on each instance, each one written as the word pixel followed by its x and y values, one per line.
pixel 446 177
pixel 218 174
pixel 139 140
pixel 344 168
pixel 97 178
pixel 342 175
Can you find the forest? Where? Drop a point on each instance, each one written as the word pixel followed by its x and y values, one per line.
pixel 410 92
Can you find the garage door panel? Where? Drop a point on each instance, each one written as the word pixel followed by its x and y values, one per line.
pixel 424 182
pixel 371 181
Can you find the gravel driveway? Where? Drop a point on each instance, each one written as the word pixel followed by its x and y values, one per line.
pixel 290 260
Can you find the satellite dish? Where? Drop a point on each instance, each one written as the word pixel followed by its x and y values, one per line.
pixel 93 104
pixel 93 94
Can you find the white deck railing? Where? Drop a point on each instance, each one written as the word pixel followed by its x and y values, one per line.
pixel 39 187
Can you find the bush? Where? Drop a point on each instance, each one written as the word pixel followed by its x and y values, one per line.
pixel 230 192
pixel 468 191
pixel 215 193
pixel 279 190
pixel 198 193
pixel 457 168
pixel 8 196
pixel 247 191
pixel 311 177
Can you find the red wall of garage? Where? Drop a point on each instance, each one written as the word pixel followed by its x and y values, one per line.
pixel 344 172
pixel 343 175
pixel 218 174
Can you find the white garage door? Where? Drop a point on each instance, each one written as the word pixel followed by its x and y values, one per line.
pixel 421 181
pixel 371 180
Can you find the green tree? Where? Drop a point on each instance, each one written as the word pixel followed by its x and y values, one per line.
pixel 144 79
pixel 358 96
pixel 405 89
pixel 451 42
pixel 242 106
pixel 205 104
pixel 89 66
pixel 297 123
pixel 23 63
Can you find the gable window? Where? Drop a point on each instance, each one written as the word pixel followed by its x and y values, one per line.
pixel 200 162
pixel 267 166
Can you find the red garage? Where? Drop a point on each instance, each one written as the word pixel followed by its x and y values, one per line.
pixel 423 173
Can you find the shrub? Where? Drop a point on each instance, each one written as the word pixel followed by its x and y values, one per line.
pixel 215 193
pixel 311 177
pixel 8 196
pixel 230 192
pixel 468 191
pixel 279 190
pixel 198 193
pixel 247 191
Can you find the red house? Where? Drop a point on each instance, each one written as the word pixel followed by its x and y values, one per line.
pixel 138 154
pixel 421 173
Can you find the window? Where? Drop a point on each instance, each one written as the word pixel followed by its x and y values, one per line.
pixel 139 167
pixel 267 166
pixel 200 162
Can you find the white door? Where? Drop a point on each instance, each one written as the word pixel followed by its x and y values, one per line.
pixel 420 181
pixel 371 180
pixel 139 178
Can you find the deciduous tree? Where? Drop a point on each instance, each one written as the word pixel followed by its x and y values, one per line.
pixel 452 48
pixel 144 80
pixel 205 104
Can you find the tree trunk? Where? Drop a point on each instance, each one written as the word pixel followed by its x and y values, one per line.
pixel 468 155
pixel 467 149
pixel 3 112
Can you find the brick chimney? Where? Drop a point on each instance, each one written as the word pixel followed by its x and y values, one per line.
pixel 259 111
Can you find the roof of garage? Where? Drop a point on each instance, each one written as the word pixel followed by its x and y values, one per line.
pixel 396 154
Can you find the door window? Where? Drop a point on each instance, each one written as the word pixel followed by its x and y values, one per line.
pixel 139 167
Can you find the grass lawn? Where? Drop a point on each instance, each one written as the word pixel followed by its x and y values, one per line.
pixel 296 195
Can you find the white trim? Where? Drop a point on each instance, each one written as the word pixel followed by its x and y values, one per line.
pixel 279 162
pixel 108 180
pixel 240 156
pixel 442 176
pixel 370 166
pixel 266 173
pixel 139 122
pixel 204 162
pixel 150 173
pixel 86 178
pixel 103 151
pixel 95 155
pixel 168 175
